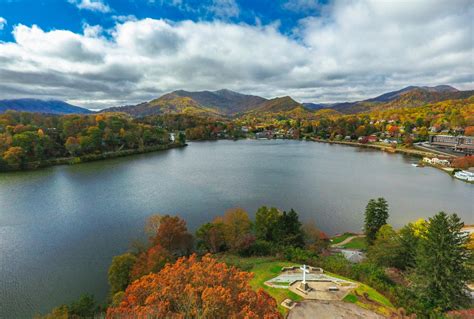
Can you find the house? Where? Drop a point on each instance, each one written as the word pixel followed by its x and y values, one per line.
pixel 173 137
pixel 427 160
pixel 264 134
pixel 436 161
pixel 353 256
pixel 440 162
pixel 372 139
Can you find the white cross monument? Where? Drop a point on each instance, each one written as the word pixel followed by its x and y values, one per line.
pixel 304 286
pixel 305 271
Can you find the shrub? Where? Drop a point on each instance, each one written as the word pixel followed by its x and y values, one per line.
pixel 258 248
pixel 299 255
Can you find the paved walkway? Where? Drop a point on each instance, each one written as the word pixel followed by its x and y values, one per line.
pixel 347 240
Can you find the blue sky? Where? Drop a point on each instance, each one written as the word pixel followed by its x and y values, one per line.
pixel 64 14
pixel 102 53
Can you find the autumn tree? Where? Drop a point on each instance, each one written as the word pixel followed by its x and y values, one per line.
pixel 211 238
pixel 72 145
pixel 469 131
pixel 119 272
pixel 315 240
pixel 236 224
pixel 150 261
pixel 14 156
pixel 386 249
pixel 173 235
pixel 193 288
pixel 152 225
pixel 376 215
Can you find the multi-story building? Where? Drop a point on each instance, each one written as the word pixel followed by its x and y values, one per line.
pixel 464 144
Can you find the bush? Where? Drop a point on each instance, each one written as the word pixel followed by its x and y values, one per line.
pixel 336 264
pixel 84 307
pixel 257 248
pixel 299 255
pixel 372 275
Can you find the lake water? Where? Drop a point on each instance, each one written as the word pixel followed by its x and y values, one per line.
pixel 60 226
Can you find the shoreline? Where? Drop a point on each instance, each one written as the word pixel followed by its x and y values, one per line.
pixel 413 152
pixel 73 160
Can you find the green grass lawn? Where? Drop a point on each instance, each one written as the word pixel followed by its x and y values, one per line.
pixel 356 243
pixel 341 238
pixel 264 268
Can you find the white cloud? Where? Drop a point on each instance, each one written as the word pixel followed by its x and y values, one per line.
pixel 302 5
pixel 354 51
pixel 224 8
pixel 92 5
pixel 124 18
pixel 3 22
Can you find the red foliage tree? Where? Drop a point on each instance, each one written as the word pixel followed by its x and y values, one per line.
pixel 173 235
pixel 192 288
pixel 463 162
pixel 150 261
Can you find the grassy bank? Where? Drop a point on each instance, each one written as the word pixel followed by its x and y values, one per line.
pixel 92 157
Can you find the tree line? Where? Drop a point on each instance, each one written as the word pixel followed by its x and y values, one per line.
pixel 30 139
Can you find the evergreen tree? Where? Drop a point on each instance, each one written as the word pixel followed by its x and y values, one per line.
pixel 181 138
pixel 376 215
pixel 289 231
pixel 266 219
pixel 442 272
pixel 409 239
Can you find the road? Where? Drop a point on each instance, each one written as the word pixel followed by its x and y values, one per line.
pixel 345 241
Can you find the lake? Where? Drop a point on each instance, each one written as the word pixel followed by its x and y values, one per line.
pixel 61 226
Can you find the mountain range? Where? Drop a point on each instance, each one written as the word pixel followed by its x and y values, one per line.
pixel 225 103
pixel 41 106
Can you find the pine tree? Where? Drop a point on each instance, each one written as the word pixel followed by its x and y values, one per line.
pixel 442 272
pixel 376 215
pixel 289 230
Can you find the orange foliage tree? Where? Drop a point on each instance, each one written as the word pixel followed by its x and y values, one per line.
pixel 236 225
pixel 463 162
pixel 150 261
pixel 173 235
pixel 193 288
pixel 469 131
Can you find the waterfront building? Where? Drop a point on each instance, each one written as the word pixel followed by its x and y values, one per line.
pixel 463 144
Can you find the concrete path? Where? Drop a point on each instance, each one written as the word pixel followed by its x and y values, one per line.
pixel 347 240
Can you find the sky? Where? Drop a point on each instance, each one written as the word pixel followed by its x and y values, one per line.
pixel 102 53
